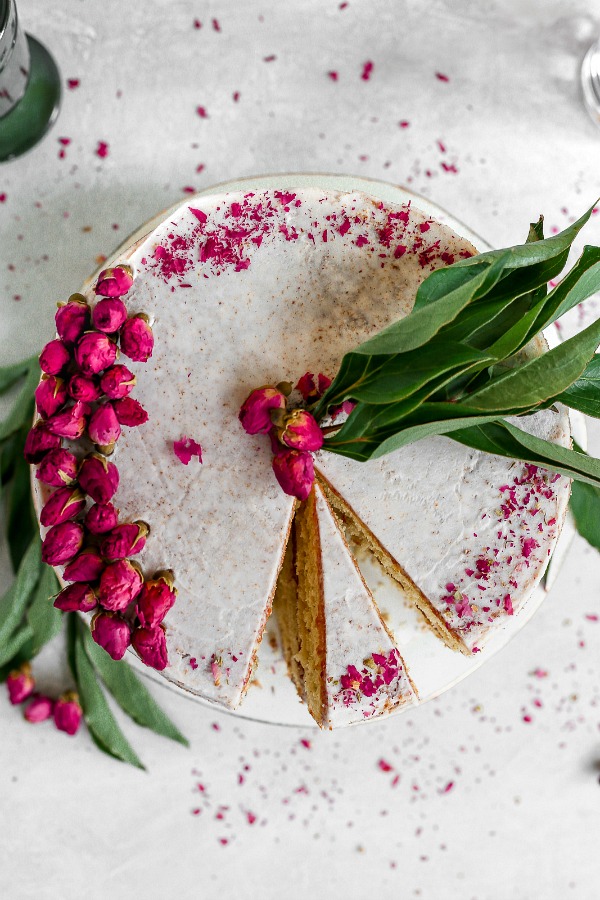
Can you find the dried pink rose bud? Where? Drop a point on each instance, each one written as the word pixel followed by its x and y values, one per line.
pixel 104 429
pixel 120 583
pixel 67 713
pixel 255 414
pixel 84 387
pixel 62 543
pixel 100 518
pixel 64 504
pixel 156 599
pixel 39 442
pixel 87 566
pixel 114 282
pixel 40 709
pixel 50 395
pixel 124 540
pixel 300 431
pixel 54 357
pixel 295 472
pixel 20 684
pixel 137 340
pixel 72 318
pixel 109 314
pixel 71 422
pixel 117 382
pixel 129 412
pixel 151 646
pixel 95 352
pixel 58 468
pixel 75 597
pixel 99 478
pixel 112 632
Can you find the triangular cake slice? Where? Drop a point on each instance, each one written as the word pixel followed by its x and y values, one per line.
pixel 340 654
pixel 467 534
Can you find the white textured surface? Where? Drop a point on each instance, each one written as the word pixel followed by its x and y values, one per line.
pixel 511 120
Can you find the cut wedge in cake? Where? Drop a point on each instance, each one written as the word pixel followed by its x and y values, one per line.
pixel 341 656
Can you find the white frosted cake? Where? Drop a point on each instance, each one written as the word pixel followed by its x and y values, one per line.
pixel 249 289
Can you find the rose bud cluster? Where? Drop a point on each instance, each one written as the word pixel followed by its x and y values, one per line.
pixel 85 393
pixel 295 434
pixel 66 711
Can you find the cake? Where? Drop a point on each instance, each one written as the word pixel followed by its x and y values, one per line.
pixel 244 289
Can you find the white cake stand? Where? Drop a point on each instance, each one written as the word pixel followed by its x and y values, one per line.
pixel 271 697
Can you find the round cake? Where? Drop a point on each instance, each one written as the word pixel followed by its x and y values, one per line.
pixel 259 288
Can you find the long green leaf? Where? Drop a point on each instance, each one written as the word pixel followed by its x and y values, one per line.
pixel 12 645
pixel 585 506
pixel 22 411
pixel 44 619
pixel 9 375
pixel 130 693
pixel 584 394
pixel 540 379
pixel 21 523
pixel 103 726
pixel 16 599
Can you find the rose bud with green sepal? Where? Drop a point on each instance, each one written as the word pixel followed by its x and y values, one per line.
pixel 294 470
pixel 95 352
pixel 109 314
pixel 151 646
pixel 120 583
pixel 72 318
pixel 58 468
pixel 39 442
pixel 300 431
pixel 117 382
pixel 99 478
pixel 62 543
pixel 130 413
pixel 255 414
pixel 76 597
pixel 156 599
pixel 124 540
pixel 136 338
pixel 111 632
pixel 54 357
pixel 71 423
pixel 86 567
pixel 20 684
pixel 64 504
pixel 50 395
pixel 67 713
pixel 101 518
pixel 104 429
pixel 114 282
pixel 40 709
pixel 84 387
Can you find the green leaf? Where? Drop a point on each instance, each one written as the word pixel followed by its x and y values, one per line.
pixel 541 378
pixel 21 523
pixel 16 599
pixel 12 645
pixel 585 506
pixel 22 410
pixel 505 439
pixel 130 693
pixel 9 375
pixel 103 726
pixel 578 285
pixel 584 394
pixel 44 619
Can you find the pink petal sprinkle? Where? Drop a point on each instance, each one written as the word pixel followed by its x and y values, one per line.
pixel 441 77
pixel 215 24
pixel 591 617
pixel 186 448
pixel 197 24
pixel 2 198
pixel 72 83
pixel 102 149
pixel 384 766
pixel 201 110
pixel 367 70
pixel 448 787
pixel 193 663
pixel 64 141
pixel 270 58
pixel 333 75
pixel 404 123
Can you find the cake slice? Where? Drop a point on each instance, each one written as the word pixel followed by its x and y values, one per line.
pixel 343 660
